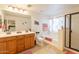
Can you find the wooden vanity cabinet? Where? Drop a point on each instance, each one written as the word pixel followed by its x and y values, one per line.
pixel 16 44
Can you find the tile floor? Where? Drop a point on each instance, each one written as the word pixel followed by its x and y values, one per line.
pixel 46 49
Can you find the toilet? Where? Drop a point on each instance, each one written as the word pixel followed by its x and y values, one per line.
pixel 39 40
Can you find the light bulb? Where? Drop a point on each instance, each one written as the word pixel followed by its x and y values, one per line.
pixel 15 9
pixel 25 12
pixel 21 10
pixel 10 7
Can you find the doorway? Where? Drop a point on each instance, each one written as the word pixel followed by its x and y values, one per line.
pixel 72 31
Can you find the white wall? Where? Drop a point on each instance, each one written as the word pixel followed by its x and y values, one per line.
pixel 57 33
pixel 38 28
pixel 2 21
pixel 20 26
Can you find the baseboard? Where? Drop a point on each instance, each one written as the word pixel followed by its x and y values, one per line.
pixel 71 50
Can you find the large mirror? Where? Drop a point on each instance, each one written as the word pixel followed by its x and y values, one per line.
pixel 15 22
pixel 9 25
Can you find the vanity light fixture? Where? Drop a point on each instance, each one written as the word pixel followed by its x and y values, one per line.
pixel 10 7
pixel 19 10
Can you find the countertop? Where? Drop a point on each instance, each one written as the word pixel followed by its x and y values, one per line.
pixel 14 34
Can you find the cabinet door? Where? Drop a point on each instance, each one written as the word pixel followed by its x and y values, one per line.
pixel 11 45
pixel 3 47
pixel 27 42
pixel 32 40
pixel 20 43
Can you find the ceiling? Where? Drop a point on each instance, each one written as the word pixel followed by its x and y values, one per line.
pixel 54 9
pixel 44 9
pixel 34 9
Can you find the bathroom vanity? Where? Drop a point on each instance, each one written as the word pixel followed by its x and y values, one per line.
pixel 14 32
pixel 16 43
